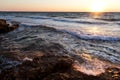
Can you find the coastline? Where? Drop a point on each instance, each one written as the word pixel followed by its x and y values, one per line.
pixel 23 46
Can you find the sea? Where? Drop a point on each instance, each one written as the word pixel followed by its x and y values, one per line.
pixel 101 31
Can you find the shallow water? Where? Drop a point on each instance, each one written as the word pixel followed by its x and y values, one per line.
pixel 82 33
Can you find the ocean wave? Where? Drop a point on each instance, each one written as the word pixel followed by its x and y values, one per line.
pixel 39 17
pixel 61 23
pixel 91 37
pixel 30 36
pixel 66 19
pixel 111 19
pixel 78 21
pixel 82 35
pixel 34 17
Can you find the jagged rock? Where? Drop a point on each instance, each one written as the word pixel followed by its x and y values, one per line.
pixel 37 69
pixel 51 68
pixel 57 76
pixel 2 21
pixel 112 73
pixel 4 27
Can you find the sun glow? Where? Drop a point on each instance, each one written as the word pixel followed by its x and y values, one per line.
pixel 98 6
pixel 94 31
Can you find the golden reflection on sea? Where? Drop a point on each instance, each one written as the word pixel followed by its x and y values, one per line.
pixel 94 31
pixel 96 14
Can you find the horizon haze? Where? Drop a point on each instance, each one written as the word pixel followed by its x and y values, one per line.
pixel 61 5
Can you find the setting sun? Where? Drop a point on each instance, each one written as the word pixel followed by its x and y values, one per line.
pixel 97 6
pixel 61 5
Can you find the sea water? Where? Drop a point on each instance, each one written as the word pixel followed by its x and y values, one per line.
pixel 100 31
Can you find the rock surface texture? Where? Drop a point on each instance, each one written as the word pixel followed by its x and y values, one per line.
pixel 4 27
pixel 52 68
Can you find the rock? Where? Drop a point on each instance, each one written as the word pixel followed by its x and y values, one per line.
pixel 57 76
pixel 52 68
pixel 2 21
pixel 112 73
pixel 38 69
pixel 4 27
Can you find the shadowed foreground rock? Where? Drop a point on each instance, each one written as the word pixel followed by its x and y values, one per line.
pixel 51 68
pixel 4 27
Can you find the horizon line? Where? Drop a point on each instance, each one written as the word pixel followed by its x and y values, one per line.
pixel 61 11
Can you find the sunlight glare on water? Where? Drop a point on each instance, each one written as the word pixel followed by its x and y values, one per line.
pixel 91 66
pixel 94 30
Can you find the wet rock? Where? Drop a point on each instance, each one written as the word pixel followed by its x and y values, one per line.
pixel 46 67
pixel 112 73
pixel 51 68
pixel 7 62
pixel 2 21
pixel 4 27
pixel 57 76
pixel 49 48
pixel 39 68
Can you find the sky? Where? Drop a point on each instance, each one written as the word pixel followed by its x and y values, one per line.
pixel 60 5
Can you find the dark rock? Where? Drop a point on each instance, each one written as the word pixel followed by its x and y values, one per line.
pixel 4 27
pixel 112 73
pixel 49 48
pixel 57 76
pixel 38 69
pixel 52 68
pixel 2 21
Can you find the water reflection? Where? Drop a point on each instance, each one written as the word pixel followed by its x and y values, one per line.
pixel 94 31
pixel 91 66
pixel 96 14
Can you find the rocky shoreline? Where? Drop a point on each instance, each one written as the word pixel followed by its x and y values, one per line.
pixel 53 68
pixel 27 55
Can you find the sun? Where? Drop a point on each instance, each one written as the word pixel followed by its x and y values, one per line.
pixel 97 6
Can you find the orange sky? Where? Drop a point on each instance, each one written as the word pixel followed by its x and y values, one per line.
pixel 58 5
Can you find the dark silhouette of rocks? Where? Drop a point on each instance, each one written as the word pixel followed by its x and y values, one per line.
pixel 4 27
pixel 51 68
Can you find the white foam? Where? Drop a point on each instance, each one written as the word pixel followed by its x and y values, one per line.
pixel 84 28
pixel 27 59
